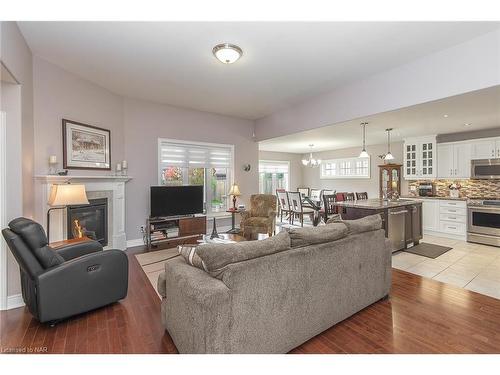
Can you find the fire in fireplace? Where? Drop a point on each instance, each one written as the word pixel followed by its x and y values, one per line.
pixel 90 220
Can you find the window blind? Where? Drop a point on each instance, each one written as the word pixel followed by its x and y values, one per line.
pixel 273 166
pixel 194 156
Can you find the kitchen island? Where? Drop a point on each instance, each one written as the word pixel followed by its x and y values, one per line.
pixel 402 218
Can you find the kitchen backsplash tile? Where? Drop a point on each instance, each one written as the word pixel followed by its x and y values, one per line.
pixel 469 188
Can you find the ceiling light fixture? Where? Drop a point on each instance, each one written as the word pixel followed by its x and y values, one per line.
pixel 363 153
pixel 467 124
pixel 227 53
pixel 311 162
pixel 445 116
pixel 389 155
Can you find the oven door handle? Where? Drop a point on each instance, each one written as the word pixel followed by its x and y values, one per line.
pixel 484 209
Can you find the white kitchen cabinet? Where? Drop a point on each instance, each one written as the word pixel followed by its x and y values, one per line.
pixel 445 218
pixel 420 158
pixel 485 148
pixel 454 160
pixel 430 215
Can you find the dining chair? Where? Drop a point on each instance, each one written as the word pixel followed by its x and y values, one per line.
pixel 362 196
pixel 279 190
pixel 350 197
pixel 316 195
pixel 283 204
pixel 304 191
pixel 297 209
pixel 340 197
pixel 329 207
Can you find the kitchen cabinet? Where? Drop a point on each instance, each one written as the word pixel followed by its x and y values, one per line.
pixel 430 215
pixel 485 148
pixel 420 158
pixel 454 160
pixel 445 218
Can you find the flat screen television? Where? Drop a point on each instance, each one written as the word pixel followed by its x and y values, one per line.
pixel 176 200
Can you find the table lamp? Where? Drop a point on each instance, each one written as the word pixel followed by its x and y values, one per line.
pixel 235 192
pixel 64 195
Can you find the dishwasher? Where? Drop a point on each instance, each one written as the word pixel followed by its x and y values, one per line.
pixel 396 231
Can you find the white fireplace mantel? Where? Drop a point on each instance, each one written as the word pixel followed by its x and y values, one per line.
pixel 114 186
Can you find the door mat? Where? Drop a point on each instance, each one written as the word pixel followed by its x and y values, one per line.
pixel 428 250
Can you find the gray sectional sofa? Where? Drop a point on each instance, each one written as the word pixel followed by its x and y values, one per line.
pixel 271 296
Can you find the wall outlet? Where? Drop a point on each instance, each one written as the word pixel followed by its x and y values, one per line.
pixel 143 228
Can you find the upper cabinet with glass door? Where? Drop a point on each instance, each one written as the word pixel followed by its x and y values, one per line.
pixel 419 158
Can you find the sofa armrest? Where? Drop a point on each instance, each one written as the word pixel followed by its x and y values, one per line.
pixel 79 249
pixel 82 284
pixel 197 309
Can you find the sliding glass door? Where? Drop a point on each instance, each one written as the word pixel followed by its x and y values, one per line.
pixel 273 175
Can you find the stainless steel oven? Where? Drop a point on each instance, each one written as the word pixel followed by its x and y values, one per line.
pixel 483 222
pixel 485 169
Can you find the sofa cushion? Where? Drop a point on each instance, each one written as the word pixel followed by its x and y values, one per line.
pixel 365 224
pixel 190 255
pixel 216 256
pixel 34 236
pixel 314 235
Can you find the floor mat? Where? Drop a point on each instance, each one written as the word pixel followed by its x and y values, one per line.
pixel 428 250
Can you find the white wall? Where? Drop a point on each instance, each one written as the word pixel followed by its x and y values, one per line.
pixel 311 176
pixel 467 67
pixel 295 165
pixel 10 103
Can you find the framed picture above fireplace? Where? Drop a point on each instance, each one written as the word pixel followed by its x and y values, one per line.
pixel 85 146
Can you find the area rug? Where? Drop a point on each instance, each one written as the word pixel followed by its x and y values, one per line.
pixel 153 263
pixel 428 250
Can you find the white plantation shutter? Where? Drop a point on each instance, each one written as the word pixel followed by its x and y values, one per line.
pixel 194 155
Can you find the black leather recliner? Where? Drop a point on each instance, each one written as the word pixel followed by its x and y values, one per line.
pixel 57 284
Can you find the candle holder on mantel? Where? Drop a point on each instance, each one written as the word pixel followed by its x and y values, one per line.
pixel 124 168
pixel 118 169
pixel 52 165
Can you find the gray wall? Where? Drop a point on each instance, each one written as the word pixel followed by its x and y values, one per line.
pixel 135 128
pixel 17 101
pixel 60 94
pixel 311 176
pixel 145 122
pixel 295 165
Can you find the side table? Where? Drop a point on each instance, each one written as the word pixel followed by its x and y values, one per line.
pixel 233 212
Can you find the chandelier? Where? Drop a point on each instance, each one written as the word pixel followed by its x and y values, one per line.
pixel 311 162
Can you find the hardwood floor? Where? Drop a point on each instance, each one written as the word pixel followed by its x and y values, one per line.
pixel 421 316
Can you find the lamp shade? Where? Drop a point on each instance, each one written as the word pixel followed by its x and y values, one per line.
pixel 67 194
pixel 235 190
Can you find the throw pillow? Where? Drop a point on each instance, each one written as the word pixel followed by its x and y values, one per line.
pixel 189 253
pixel 315 235
pixel 365 224
pixel 216 256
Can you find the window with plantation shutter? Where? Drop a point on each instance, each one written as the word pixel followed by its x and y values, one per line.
pixel 197 163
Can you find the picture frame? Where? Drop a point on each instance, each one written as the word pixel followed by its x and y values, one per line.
pixel 85 146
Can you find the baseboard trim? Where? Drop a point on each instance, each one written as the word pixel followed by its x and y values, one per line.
pixel 15 301
pixel 135 242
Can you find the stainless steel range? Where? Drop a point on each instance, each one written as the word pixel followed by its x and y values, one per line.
pixel 483 221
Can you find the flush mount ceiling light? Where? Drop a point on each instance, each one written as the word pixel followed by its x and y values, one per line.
pixel 363 153
pixel 311 162
pixel 389 155
pixel 227 53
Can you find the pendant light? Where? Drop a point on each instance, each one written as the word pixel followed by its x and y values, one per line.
pixel 389 155
pixel 363 153
pixel 311 162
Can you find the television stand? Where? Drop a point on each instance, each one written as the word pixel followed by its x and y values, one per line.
pixel 172 231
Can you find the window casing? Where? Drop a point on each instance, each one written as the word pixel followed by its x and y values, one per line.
pixel 273 175
pixel 345 168
pixel 198 163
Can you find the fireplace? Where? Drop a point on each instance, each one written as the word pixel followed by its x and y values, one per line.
pixel 90 220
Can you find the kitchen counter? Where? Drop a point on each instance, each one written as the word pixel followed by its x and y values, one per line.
pixel 401 219
pixel 439 198
pixel 378 204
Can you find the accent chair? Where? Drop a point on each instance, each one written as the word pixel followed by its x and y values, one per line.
pixel 261 217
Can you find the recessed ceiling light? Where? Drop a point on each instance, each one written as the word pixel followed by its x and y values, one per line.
pixel 445 115
pixel 227 53
pixel 467 124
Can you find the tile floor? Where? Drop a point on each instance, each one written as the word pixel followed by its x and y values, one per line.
pixel 471 266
